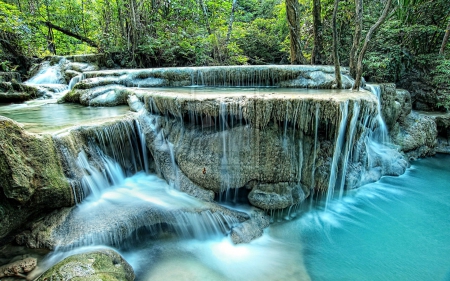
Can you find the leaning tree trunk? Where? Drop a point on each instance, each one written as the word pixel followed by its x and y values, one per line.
pixel 445 40
pixel 316 57
pixel 337 66
pixel 293 18
pixel 356 36
pixel 359 67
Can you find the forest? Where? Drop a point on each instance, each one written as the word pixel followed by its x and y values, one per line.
pixel 408 44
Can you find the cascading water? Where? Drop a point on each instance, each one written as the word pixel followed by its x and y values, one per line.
pixel 50 80
pixel 382 133
pixel 298 141
pixel 116 210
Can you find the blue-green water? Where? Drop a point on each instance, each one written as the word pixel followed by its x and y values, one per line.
pixel 395 229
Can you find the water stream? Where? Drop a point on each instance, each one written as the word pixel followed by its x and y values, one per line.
pixel 395 229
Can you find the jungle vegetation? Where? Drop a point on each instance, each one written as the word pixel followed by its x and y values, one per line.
pixel 412 36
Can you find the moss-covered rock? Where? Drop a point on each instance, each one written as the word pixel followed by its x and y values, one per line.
pixel 31 176
pixel 9 76
pixel 103 265
pixel 18 92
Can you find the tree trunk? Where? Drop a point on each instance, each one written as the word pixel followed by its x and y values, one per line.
pixel 337 67
pixel 359 67
pixel 230 24
pixel 205 14
pixel 445 40
pixel 293 18
pixel 71 34
pixel 356 36
pixel 50 38
pixel 316 57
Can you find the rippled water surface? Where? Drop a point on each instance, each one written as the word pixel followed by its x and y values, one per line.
pixel 40 116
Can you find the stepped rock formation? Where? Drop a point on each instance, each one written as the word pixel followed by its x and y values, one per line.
pixel 109 87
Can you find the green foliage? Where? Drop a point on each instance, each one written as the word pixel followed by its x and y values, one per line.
pixel 441 78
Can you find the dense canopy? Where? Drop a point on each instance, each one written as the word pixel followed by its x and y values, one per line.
pixel 137 33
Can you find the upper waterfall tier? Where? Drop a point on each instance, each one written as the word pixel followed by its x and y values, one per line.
pixel 291 76
pixel 256 107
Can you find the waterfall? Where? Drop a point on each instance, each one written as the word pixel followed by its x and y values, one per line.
pixel 48 74
pixel 382 132
pixel 340 140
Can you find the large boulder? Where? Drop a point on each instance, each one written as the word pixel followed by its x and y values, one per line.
pixel 395 104
pixel 101 265
pixel 416 135
pixel 31 176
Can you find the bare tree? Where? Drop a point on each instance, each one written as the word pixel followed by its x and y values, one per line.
pixel 359 67
pixel 337 66
pixel 316 57
pixel 293 18
pixel 445 40
pixel 356 36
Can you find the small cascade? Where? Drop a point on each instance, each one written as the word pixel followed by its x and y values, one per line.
pixel 122 142
pixel 225 174
pixel 140 207
pixel 95 181
pixel 348 147
pixel 50 79
pixel 223 76
pixel 382 132
pixel 75 80
pixel 340 141
pixel 48 74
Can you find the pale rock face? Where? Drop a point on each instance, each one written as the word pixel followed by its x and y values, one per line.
pixel 416 136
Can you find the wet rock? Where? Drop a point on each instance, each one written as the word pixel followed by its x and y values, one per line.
pixel 18 268
pixel 109 95
pixel 69 74
pixel 135 103
pixel 276 196
pixel 31 176
pixel 250 229
pixel 395 104
pixel 18 92
pixel 105 265
pixel 416 136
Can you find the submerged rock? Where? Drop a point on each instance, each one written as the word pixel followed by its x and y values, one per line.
pixel 31 176
pixel 250 229
pixel 18 268
pixel 106 265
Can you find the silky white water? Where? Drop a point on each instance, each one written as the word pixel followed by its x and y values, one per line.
pixel 394 229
